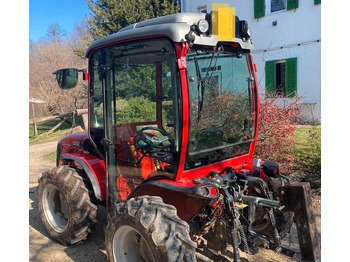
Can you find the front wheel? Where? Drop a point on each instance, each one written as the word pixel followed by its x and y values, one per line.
pixel 147 230
pixel 65 205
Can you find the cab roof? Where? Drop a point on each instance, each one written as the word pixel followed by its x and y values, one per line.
pixel 175 27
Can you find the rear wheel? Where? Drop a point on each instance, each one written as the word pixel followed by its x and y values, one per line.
pixel 147 230
pixel 65 205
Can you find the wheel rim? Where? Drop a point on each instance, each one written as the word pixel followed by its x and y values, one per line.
pixel 129 245
pixel 55 208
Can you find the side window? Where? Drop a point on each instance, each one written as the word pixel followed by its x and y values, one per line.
pixel 96 113
pixel 136 92
pixel 144 97
pixel 97 99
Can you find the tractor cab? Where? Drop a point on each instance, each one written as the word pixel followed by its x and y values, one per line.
pixel 171 99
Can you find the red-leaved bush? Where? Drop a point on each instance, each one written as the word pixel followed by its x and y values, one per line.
pixel 278 117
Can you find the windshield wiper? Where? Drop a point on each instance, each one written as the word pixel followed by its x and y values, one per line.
pixel 202 82
pixel 200 89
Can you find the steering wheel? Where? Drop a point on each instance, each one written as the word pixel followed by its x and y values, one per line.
pixel 155 141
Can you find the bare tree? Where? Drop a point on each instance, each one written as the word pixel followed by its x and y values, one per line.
pixel 45 57
pixel 55 33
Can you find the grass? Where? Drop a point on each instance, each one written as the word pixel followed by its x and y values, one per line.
pixel 51 157
pixel 307 154
pixel 308 149
pixel 46 126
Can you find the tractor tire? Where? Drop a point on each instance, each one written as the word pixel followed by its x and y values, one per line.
pixel 284 220
pixel 65 205
pixel 147 230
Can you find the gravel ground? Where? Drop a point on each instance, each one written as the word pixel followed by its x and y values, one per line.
pixel 44 249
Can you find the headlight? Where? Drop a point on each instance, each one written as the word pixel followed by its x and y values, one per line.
pixel 203 26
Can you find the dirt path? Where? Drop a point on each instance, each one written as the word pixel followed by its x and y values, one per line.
pixel 44 249
pixel 36 162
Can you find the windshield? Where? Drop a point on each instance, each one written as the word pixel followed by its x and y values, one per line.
pixel 222 122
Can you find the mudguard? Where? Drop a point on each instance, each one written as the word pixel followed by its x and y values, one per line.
pixel 95 170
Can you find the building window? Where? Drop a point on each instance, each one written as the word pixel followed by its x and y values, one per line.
pixel 278 5
pixel 202 9
pixel 281 77
pixel 317 2
pixel 272 6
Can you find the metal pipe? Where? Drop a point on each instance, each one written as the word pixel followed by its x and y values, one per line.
pixel 261 201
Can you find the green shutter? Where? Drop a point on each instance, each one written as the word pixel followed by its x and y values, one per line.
pixel 292 4
pixel 317 2
pixel 259 8
pixel 270 77
pixel 291 76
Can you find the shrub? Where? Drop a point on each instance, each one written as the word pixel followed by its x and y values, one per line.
pixel 137 109
pixel 278 118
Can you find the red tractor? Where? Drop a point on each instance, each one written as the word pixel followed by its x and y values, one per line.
pixel 173 124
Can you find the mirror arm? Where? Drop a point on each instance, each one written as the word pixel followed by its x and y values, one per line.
pixel 85 74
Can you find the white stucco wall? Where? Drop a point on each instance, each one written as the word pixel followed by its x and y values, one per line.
pixel 301 26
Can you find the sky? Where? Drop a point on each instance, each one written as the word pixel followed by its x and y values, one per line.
pixel 43 13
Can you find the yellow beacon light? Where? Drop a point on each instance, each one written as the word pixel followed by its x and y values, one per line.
pixel 224 22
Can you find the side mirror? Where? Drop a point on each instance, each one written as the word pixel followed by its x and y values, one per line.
pixel 67 78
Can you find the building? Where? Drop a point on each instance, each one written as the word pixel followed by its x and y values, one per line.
pixel 287 46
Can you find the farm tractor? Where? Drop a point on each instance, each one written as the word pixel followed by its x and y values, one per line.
pixel 169 150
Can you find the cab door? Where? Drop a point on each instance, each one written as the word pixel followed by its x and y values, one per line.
pixel 136 93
